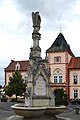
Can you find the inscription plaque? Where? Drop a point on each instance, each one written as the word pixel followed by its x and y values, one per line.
pixel 40 86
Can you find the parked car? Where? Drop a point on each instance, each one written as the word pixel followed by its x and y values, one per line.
pixel 3 97
pixel 75 101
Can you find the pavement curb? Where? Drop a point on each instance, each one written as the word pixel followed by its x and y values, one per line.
pixel 63 118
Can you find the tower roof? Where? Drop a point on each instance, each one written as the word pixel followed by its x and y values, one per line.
pixel 59 44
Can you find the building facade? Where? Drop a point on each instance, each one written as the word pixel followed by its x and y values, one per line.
pixel 22 66
pixel 74 78
pixel 64 68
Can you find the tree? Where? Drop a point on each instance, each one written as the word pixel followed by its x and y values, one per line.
pixel 16 85
pixel 0 86
pixel 61 97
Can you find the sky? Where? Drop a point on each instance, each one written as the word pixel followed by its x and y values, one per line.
pixel 16 27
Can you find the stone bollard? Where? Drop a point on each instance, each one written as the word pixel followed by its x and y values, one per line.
pixel 76 110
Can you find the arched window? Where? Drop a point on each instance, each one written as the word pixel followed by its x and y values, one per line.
pixel 60 78
pixel 75 78
pixel 55 78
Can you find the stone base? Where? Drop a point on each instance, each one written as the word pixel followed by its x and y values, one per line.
pixel 16 117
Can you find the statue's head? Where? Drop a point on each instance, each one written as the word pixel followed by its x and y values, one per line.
pixel 37 12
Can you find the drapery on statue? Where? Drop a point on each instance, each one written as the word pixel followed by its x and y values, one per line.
pixel 36 19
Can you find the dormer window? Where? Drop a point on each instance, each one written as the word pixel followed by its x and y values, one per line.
pixel 57 59
pixel 17 66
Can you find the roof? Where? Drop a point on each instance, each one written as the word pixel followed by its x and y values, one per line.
pixel 74 63
pixel 23 65
pixel 59 44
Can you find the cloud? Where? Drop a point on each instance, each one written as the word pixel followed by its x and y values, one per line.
pixel 72 35
pixel 10 19
pixel 53 12
pixel 16 26
pixel 14 31
pixel 1 75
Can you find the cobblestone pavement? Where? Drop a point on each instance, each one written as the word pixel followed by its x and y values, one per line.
pixel 6 111
pixel 70 113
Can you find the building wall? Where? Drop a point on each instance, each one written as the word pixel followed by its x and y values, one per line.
pixel 72 85
pixel 61 67
pixel 8 74
pixel 52 55
pixel 69 57
pixel 65 58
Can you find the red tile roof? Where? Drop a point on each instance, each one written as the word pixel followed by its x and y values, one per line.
pixel 74 63
pixel 23 65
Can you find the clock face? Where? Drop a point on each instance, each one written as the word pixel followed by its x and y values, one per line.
pixel 40 86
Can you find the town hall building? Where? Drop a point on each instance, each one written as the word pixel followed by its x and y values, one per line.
pixel 64 68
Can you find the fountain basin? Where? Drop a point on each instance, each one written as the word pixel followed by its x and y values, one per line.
pixel 22 110
pixel 55 110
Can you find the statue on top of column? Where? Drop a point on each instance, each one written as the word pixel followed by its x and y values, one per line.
pixel 36 21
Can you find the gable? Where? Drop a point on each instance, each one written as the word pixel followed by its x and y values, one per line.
pixel 23 65
pixel 41 73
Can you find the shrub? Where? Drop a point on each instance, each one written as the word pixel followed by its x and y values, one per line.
pixel 61 97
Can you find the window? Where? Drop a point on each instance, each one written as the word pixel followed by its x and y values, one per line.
pixel 75 93
pixel 75 78
pixel 60 78
pixel 17 66
pixel 55 78
pixel 57 59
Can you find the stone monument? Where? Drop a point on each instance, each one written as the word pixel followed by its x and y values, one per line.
pixel 38 81
pixel 39 98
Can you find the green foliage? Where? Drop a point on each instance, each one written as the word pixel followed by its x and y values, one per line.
pixel 16 85
pixel 0 86
pixel 61 97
